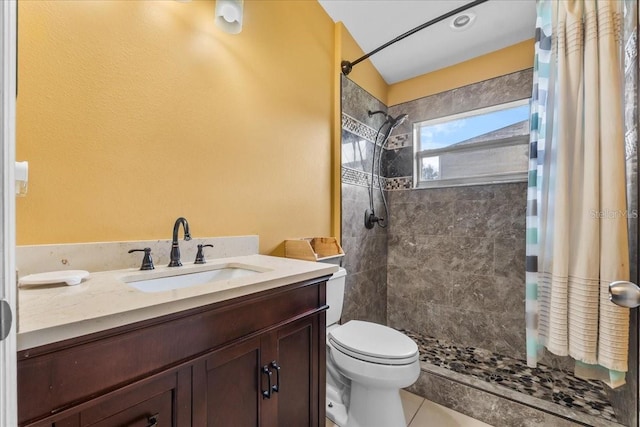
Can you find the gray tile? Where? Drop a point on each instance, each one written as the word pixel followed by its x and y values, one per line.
pixel 509 258
pixel 405 250
pixel 365 296
pixel 469 327
pixel 356 102
pixel 483 406
pixel 506 333
pixel 422 218
pixel 397 309
pixel 466 254
pixel 479 218
pixel 364 252
pixel 475 192
pixel 512 192
pixel 422 195
pixel 489 294
pixel 419 283
pixel 398 162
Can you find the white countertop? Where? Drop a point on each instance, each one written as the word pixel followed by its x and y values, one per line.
pixel 51 313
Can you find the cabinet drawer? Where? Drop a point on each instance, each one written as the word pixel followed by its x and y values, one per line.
pixel 137 407
pixel 152 402
pixel 155 412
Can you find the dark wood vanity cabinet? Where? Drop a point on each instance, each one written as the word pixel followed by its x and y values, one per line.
pixel 258 360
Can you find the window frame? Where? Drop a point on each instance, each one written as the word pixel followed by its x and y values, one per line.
pixel 492 178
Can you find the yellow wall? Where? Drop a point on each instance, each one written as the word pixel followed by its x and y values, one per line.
pixel 504 61
pixel 132 113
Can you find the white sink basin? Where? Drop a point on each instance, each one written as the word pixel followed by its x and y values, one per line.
pixel 178 279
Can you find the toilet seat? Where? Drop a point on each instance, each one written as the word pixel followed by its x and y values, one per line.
pixel 373 343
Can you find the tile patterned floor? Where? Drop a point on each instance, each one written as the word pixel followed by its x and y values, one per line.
pixel 542 382
pixel 422 413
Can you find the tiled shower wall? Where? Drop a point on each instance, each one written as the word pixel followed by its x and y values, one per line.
pixel 455 255
pixel 450 263
pixel 455 263
pixel 365 250
pixel 624 399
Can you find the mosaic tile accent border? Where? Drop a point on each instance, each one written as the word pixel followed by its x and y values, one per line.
pixel 543 382
pixel 399 183
pixel 357 177
pixel 364 131
pixel 358 128
pixel 399 141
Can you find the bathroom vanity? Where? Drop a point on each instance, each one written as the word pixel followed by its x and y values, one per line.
pixel 252 353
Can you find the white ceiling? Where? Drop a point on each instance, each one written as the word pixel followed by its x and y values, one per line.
pixel 372 23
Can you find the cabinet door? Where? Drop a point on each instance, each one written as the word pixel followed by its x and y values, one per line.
pixel 232 387
pixel 298 387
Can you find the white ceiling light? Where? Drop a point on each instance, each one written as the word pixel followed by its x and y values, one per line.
pixel 463 21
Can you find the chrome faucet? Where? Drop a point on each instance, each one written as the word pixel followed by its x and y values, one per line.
pixel 175 248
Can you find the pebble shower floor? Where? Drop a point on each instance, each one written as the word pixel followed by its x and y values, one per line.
pixel 542 382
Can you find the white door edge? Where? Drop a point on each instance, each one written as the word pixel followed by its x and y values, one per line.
pixel 8 289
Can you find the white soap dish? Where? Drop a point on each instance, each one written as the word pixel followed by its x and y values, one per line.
pixel 70 277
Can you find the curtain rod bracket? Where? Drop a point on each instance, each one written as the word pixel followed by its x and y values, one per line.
pixel 347 66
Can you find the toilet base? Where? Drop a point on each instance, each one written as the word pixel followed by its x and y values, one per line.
pixel 368 407
pixel 336 412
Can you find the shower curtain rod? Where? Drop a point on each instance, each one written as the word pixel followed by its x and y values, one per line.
pixel 347 66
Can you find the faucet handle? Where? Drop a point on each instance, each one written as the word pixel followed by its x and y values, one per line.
pixel 147 261
pixel 200 255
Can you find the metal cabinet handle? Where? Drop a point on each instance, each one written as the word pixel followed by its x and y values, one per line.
pixel 267 394
pixel 275 366
pixel 153 420
pixel 624 294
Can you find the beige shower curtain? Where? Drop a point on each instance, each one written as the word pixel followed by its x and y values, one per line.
pixel 583 230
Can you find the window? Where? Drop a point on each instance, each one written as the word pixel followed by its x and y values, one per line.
pixel 476 147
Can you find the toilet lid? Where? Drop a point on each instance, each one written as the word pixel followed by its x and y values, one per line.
pixel 373 342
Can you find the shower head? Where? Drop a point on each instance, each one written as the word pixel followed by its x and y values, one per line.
pixel 398 120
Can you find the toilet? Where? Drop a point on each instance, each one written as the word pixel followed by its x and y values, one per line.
pixel 367 365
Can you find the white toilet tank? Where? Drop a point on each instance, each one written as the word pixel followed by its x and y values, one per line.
pixel 335 296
